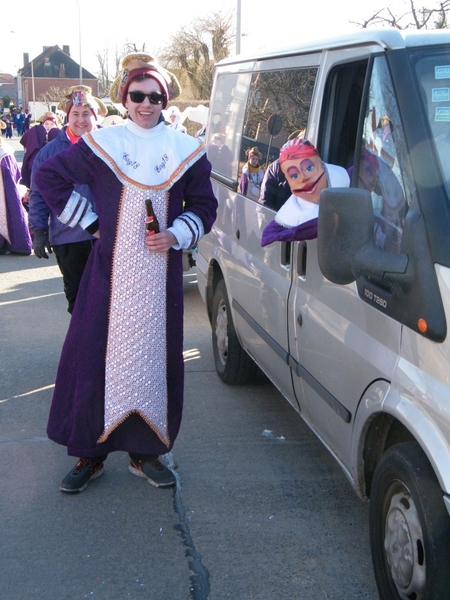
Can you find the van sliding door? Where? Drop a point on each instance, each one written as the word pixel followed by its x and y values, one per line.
pixel 340 344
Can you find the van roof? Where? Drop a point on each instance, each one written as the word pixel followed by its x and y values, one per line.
pixel 388 38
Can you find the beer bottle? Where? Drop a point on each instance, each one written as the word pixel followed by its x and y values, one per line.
pixel 151 222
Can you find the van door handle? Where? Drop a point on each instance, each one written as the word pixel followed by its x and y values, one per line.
pixel 301 259
pixel 285 253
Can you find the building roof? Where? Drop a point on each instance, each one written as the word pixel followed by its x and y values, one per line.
pixel 49 62
pixel 6 78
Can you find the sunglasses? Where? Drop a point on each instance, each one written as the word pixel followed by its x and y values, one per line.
pixel 154 97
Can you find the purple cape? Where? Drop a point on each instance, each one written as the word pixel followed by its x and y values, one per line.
pixel 17 224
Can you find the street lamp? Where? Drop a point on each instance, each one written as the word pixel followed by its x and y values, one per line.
pixel 238 27
pixel 32 87
pixel 79 39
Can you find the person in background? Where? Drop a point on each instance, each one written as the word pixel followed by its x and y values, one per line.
pixel 220 155
pixel 34 139
pixel 14 232
pixel 9 121
pixel 19 119
pixel 174 116
pixel 71 246
pixel 27 121
pixel 119 385
pixel 275 189
pixel 388 198
pixel 252 174
pixel 383 141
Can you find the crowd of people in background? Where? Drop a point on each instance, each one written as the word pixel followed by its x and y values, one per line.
pixel 17 121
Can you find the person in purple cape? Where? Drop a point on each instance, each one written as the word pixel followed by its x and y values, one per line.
pixel 14 233
pixel 34 139
pixel 119 385
pixel 307 176
pixel 71 245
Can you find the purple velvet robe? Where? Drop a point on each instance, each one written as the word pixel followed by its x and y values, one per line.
pixel 77 413
pixel 16 233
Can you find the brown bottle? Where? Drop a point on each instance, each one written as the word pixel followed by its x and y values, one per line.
pixel 151 222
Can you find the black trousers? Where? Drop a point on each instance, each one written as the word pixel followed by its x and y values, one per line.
pixel 71 259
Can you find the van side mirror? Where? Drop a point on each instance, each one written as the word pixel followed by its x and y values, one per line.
pixel 345 225
pixel 345 244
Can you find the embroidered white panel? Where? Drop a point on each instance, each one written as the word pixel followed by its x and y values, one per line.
pixel 136 348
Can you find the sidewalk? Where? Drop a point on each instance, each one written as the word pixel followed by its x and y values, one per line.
pixel 120 539
pixel 18 148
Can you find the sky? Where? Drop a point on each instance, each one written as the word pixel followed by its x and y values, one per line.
pixel 280 22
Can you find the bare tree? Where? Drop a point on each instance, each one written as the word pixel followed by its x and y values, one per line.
pixel 133 47
pixel 195 49
pixel 53 94
pixel 105 74
pixel 411 16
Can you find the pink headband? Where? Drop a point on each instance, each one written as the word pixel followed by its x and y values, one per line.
pixel 297 148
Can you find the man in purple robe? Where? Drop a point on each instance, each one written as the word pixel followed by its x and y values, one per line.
pixel 34 139
pixel 120 379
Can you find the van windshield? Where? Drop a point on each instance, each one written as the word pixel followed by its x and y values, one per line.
pixel 433 72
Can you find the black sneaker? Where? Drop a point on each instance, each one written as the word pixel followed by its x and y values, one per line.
pixel 153 471
pixel 84 471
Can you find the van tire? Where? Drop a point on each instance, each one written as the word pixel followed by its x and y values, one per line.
pixel 407 517
pixel 233 365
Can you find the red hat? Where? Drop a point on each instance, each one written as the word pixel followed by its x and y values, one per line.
pixel 136 64
pixel 50 116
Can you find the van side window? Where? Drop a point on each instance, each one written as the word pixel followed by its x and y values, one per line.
pixel 433 74
pixel 277 108
pixel 342 101
pixel 384 167
pixel 225 130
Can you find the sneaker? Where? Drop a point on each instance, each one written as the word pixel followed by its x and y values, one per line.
pixel 153 471
pixel 84 471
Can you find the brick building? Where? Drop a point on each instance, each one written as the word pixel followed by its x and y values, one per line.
pixel 53 68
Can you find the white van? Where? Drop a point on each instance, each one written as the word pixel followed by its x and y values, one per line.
pixel 351 327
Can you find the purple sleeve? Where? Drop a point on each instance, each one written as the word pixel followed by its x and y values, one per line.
pixel 56 176
pixel 12 167
pixel 243 184
pixel 277 233
pixel 198 194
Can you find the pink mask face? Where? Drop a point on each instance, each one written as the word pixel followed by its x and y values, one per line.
pixel 306 177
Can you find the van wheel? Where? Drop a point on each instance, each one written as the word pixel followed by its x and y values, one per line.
pixel 409 527
pixel 233 364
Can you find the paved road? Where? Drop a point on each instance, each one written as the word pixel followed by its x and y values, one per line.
pixel 260 511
